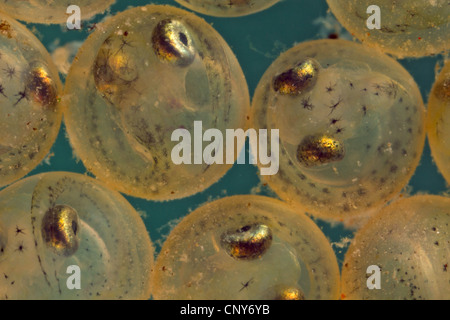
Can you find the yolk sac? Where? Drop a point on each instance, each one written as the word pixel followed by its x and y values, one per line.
pixel 115 70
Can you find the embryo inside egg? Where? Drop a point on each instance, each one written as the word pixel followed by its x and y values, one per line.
pixel 351 131
pixel 351 124
pixel 251 247
pixel 129 90
pixel 414 28
pixel 408 241
pixel 30 112
pixel 53 222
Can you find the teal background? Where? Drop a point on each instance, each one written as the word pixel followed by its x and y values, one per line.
pixel 257 40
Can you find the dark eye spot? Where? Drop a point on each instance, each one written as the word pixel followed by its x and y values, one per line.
pixel 244 229
pixel 74 227
pixel 333 36
pixel 183 38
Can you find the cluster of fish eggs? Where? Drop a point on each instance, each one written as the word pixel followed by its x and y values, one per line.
pixel 352 127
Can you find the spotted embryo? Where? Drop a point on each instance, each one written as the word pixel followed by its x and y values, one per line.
pixel 352 127
pixel 128 91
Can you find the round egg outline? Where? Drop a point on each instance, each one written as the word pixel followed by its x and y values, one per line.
pixel 112 265
pixel 142 139
pixel 331 179
pixel 438 121
pixel 195 262
pixel 408 242
pixel 411 31
pixel 227 8
pixel 32 114
pixel 39 11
